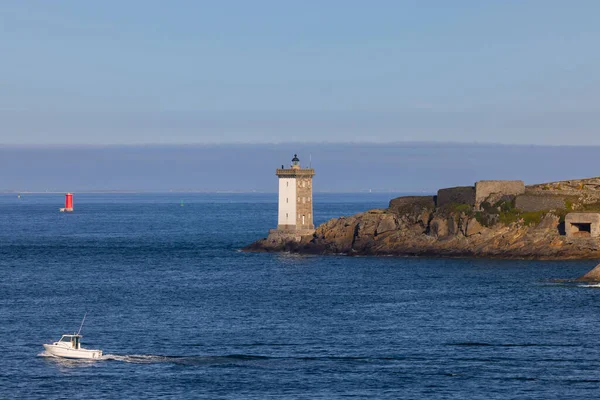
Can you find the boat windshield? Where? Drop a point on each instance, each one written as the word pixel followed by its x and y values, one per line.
pixel 65 339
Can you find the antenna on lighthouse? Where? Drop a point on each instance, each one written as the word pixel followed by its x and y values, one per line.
pixel 310 160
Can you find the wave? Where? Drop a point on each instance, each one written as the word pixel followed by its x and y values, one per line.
pixel 483 344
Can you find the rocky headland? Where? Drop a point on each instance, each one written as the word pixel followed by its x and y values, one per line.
pixel 495 219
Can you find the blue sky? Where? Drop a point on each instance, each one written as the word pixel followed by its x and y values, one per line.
pixel 130 72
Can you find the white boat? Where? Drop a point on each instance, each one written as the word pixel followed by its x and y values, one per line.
pixel 69 346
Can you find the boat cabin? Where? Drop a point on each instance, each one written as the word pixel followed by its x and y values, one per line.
pixel 74 341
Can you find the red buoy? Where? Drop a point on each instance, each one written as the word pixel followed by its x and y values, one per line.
pixel 68 203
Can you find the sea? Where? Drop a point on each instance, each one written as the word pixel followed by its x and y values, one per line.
pixel 180 312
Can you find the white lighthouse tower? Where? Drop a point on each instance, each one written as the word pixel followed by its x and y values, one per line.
pixel 295 199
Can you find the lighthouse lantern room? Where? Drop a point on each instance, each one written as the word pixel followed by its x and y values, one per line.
pixel 295 199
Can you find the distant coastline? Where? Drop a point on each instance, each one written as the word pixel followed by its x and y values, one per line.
pixel 409 167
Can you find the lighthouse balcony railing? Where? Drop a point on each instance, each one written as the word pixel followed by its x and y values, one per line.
pixel 295 172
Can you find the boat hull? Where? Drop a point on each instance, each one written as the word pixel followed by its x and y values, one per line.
pixel 64 352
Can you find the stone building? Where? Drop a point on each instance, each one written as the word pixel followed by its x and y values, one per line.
pixel 582 225
pixel 485 189
pixel 480 192
pixel 295 213
pixel 456 195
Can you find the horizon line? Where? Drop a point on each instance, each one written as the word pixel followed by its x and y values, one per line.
pixel 284 143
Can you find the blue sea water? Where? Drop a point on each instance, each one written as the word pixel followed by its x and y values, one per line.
pixel 180 313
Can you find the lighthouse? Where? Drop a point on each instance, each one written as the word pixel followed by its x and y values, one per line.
pixel 295 214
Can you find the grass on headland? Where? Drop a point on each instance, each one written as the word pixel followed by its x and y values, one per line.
pixel 505 212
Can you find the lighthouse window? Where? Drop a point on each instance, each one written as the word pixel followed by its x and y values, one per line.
pixel 287 184
pixel 286 199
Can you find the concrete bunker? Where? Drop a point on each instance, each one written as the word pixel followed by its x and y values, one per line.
pixel 582 225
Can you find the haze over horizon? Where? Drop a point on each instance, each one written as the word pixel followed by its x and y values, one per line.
pixel 340 167
pixel 267 71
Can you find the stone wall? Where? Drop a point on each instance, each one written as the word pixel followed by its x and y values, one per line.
pixel 458 195
pixel 483 189
pixel 406 204
pixel 535 202
pixel 583 196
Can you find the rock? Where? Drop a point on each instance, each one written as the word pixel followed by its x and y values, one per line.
pixel 453 225
pixel 336 235
pixel 386 224
pixel 591 276
pixel 367 227
pixel 424 218
pixel 548 223
pixel 365 232
pixel 473 227
pixel 463 222
pixel 439 227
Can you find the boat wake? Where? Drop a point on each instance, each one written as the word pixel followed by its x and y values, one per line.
pixel 136 358
pixel 224 360
pixel 570 283
pixel 160 359
pixel 181 360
